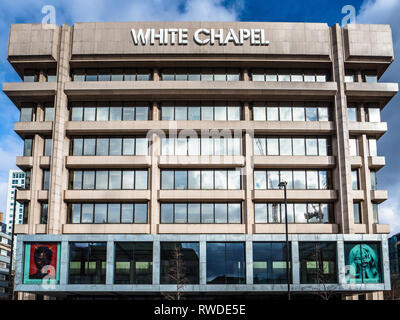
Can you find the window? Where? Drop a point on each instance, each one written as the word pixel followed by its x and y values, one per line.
pixel 269 262
pixel 51 75
pixel 28 147
pixel 27 114
pixel 87 263
pixel 47 147
pixel 46 180
pixel 48 113
pixel 354 180
pixel 30 75
pixel 133 263
pixel 27 185
pixel 107 213
pixel 353 144
pixel 317 262
pixel 25 214
pixel 375 213
pixel 352 114
pixel 181 256
pixel 201 213
pixel 373 179
pixel 373 115
pixel 44 207
pixel 297 212
pixel 372 147
pixel 226 263
pixel 370 76
pixel 109 146
pixel 200 179
pixel 357 212
pixel 363 262
pixel 349 76
pixel 201 111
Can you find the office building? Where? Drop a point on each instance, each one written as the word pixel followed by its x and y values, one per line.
pixel 150 142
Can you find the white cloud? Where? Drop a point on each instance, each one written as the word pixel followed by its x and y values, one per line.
pixel 387 12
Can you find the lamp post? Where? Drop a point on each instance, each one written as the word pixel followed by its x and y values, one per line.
pixel 10 280
pixel 283 185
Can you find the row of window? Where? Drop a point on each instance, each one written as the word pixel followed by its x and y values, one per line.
pixel 28 113
pixel 367 76
pixel 133 146
pixel 297 212
pixel 196 74
pixel 219 111
pixel 109 180
pixel 115 74
pixel 109 111
pixel 31 75
pixel 201 146
pixel 265 146
pixel 289 113
pixel 295 179
pixel 291 146
pixel 107 213
pixel 117 111
pixel 200 179
pixel 290 75
pixel 358 216
pixel 372 114
pixel 201 213
pixel 225 262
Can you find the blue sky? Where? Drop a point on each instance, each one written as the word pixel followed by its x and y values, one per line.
pixel 70 11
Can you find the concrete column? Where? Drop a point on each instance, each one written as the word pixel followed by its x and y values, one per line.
pixel 249 262
pixel 19 261
pixel 342 172
pixel 57 207
pixel 110 262
pixel 64 263
pixel 156 262
pixel 295 263
pixel 245 75
pixel 203 262
pixel 365 185
pixel 156 75
pixel 385 262
pixel 247 172
pixel 154 205
pixel 36 184
pixel 341 262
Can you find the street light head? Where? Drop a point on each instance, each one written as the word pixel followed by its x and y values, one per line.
pixel 282 184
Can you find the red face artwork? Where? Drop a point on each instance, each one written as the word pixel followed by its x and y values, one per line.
pixel 43 261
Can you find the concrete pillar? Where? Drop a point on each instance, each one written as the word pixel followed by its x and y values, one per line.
pixel 110 263
pixel 343 209
pixel 249 262
pixel 154 206
pixel 247 173
pixel 341 262
pixel 64 263
pixel 57 207
pixel 156 262
pixel 295 263
pixel 203 262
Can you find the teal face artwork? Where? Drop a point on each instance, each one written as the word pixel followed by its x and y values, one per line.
pixel 362 263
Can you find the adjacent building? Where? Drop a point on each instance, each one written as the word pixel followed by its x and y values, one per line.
pixel 16 179
pixel 5 254
pixel 147 143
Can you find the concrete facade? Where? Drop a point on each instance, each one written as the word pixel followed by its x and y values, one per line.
pixel 359 49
